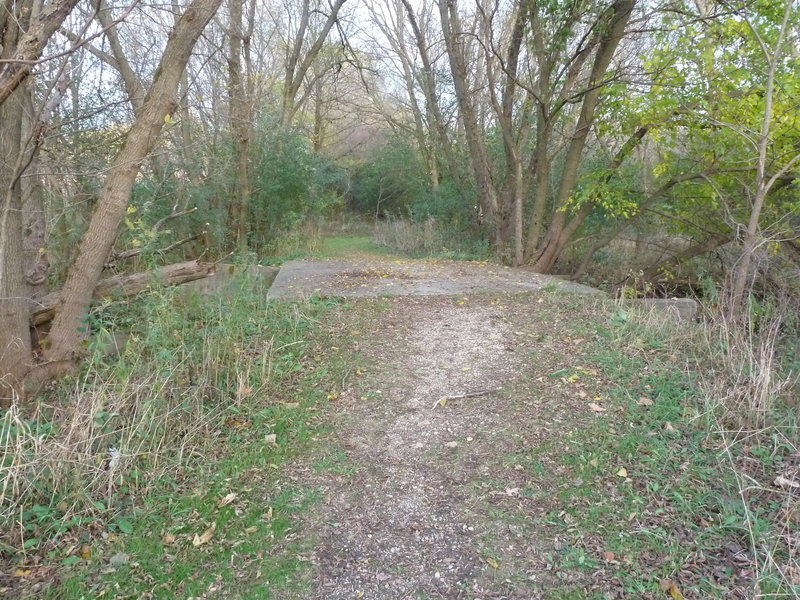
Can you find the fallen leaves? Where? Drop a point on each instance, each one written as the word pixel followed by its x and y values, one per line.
pixel 644 401
pixel 227 499
pixel 594 407
pixel 86 552
pixel 623 472
pixel 785 483
pixel 205 537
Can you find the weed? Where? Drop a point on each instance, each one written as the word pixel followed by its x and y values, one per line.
pixel 121 468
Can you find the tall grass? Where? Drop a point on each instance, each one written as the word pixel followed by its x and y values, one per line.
pixel 746 379
pixel 429 238
pixel 90 446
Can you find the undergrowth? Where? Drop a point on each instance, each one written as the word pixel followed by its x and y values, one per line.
pixel 121 477
pixel 687 485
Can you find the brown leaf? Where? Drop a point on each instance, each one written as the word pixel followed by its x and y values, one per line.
pixel 199 540
pixel 786 484
pixel 86 552
pixel 644 401
pixel 596 408
pixel 609 556
pixel 168 539
pixel 668 586
pixel 227 500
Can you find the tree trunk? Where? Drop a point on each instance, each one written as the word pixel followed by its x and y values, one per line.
pixel 699 249
pixel 126 285
pixel 297 64
pixel 453 38
pixel 614 28
pixel 15 340
pixel 432 106
pixel 26 50
pixel 66 335
pixel 240 127
pixel 603 241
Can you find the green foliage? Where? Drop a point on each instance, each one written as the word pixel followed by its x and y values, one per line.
pixel 290 185
pixel 200 377
pixel 392 182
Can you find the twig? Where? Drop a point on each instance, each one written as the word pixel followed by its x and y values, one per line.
pixel 137 251
pixel 441 401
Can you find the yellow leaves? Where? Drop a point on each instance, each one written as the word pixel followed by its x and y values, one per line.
pixel 623 472
pixel 205 537
pixel 495 564
pixel 21 572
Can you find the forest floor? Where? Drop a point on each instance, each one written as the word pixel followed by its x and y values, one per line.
pixel 507 443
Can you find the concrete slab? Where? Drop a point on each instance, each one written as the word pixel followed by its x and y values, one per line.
pixel 408 277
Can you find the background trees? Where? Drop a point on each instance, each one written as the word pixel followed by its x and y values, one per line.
pixel 594 138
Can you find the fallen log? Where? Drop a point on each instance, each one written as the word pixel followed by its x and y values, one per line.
pixel 125 285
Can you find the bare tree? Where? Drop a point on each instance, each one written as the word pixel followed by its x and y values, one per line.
pixel 65 334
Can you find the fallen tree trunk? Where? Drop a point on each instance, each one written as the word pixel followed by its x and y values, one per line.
pixel 127 285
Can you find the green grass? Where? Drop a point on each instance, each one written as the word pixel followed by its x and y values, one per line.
pixel 143 541
pixel 673 508
pixel 345 247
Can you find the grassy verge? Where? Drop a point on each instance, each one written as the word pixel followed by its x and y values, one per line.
pixel 177 486
pixel 647 495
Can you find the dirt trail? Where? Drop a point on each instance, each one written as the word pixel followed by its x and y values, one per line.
pixel 414 515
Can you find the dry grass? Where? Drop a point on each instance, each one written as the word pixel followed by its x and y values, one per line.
pixel 102 438
pixel 410 237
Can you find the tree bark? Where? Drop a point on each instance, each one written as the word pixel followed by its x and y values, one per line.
pixel 764 182
pixel 240 126
pixel 481 167
pixel 699 249
pixel 613 26
pixel 297 65
pixel 15 340
pixel 66 335
pixel 126 285
pixel 28 48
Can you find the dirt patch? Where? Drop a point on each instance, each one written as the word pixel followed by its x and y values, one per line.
pixel 416 519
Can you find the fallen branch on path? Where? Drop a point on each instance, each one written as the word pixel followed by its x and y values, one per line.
pixel 443 401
